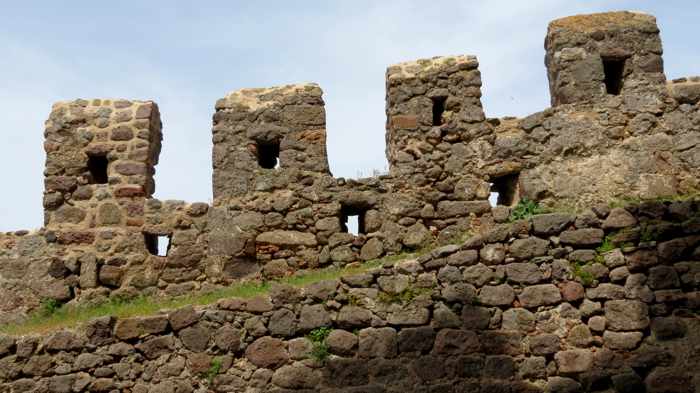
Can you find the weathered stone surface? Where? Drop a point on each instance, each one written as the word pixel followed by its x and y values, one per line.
pixel 183 317
pixel 156 346
pixel 419 339
pixel 478 275
pixel 351 317
pixel 498 295
pixel 341 342
pixel 456 342
pixel 493 254
pixel 377 342
pixel 623 315
pixel 606 291
pixel 528 248
pixel 552 223
pixel 574 361
pixel 562 385
pixel 287 238
pixel 622 340
pixel 524 273
pixel 267 352
pixel 582 237
pixel 668 328
pixel 64 341
pixel 539 295
pixel 296 376
pixel 663 277
pixel 126 329
pixel 195 338
pixel 518 319
pixel 619 218
pixel 544 344
pixel 314 316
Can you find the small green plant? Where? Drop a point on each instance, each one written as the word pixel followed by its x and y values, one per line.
pixel 214 370
pixel 403 297
pixel 607 245
pixel 525 208
pixel 49 307
pixel 648 234
pixel 583 275
pixel 319 348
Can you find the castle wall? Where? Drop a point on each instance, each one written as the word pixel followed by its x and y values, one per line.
pixel 531 306
pixel 277 209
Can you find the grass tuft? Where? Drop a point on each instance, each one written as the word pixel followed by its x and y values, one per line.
pixel 525 208
pixel 583 275
pixel 319 349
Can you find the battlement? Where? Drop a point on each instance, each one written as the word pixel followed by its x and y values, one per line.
pixel 277 209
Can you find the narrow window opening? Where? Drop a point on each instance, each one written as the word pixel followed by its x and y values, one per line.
pixel 504 190
pixel 352 220
pixel 438 110
pixel 97 166
pixel 268 154
pixel 157 244
pixel 613 69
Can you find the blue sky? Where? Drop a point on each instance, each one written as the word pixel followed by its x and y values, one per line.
pixel 184 55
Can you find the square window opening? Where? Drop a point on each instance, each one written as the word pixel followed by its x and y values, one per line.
pixel 613 68
pixel 352 220
pixel 269 154
pixel 504 190
pixel 97 166
pixel 158 245
pixel 438 110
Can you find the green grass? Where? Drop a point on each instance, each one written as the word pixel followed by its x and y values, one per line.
pixel 607 244
pixel 51 316
pixel 525 209
pixel 49 307
pixel 584 276
pixel 214 370
pixel 319 349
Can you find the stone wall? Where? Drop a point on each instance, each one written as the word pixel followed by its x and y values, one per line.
pixel 530 306
pixel 277 209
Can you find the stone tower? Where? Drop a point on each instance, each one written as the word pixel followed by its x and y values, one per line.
pixel 100 162
pixel 257 132
pixel 590 57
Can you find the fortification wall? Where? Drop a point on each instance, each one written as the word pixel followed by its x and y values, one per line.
pixel 613 133
pixel 530 306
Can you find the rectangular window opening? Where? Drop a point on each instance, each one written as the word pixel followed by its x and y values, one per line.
pixel 352 220
pixel 97 166
pixel 613 68
pixel 438 110
pixel 269 154
pixel 504 190
pixel 158 245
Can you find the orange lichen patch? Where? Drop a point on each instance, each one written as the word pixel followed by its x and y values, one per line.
pixel 314 136
pixel 604 20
